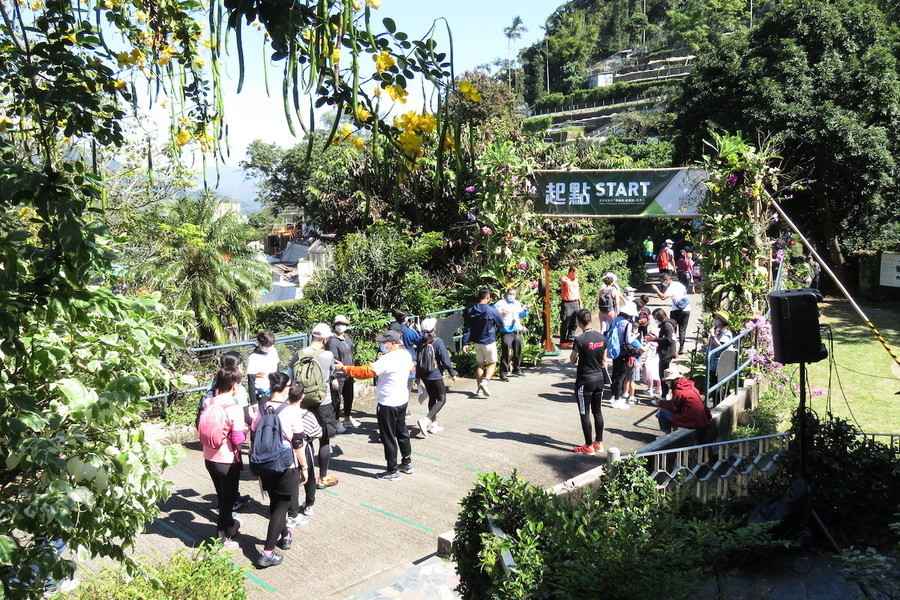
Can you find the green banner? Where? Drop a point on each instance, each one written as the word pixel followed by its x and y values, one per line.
pixel 619 193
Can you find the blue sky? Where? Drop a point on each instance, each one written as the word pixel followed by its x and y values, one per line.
pixel 477 27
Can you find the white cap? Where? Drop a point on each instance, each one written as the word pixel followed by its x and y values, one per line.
pixel 669 243
pixel 610 275
pixel 429 324
pixel 341 320
pixel 629 309
pixel 322 331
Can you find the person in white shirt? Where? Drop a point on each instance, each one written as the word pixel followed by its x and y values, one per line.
pixel 681 305
pixel 391 392
pixel 512 312
pixel 260 364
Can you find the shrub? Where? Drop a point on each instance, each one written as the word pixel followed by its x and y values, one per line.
pixel 206 573
pixel 607 94
pixel 537 124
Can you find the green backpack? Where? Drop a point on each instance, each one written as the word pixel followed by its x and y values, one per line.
pixel 308 373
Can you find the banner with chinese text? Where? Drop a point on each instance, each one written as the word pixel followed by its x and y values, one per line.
pixel 620 193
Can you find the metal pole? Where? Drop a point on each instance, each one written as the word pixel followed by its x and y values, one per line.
pixel 547 61
pixel 837 281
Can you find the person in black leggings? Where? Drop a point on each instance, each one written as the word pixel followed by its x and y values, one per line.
pixel 589 353
pixel 666 345
pixel 432 361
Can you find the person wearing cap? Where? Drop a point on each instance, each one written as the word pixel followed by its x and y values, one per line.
pixel 512 312
pixel 629 348
pixel 480 324
pixel 686 409
pixel 341 346
pixel 719 335
pixel 680 312
pixel 324 412
pixel 411 337
pixel 570 293
pixel 392 394
pixel 610 298
pixel 433 360
pixel 665 259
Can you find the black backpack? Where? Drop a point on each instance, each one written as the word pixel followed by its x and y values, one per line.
pixel 426 359
pixel 270 453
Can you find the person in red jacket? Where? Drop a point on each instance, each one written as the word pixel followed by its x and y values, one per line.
pixel 686 409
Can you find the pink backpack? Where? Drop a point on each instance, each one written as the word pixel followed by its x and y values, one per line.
pixel 213 426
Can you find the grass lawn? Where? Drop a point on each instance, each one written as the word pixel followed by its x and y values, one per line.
pixel 865 369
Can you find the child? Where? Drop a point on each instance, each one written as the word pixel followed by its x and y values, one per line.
pixel 651 370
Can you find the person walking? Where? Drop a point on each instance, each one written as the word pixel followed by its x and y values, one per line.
pixel 685 270
pixel 260 363
pixel 480 324
pixel 433 360
pixel 666 342
pixel 665 258
pixel 610 297
pixel 512 312
pixel 317 398
pixel 686 409
pixel 411 338
pixel 623 346
pixel 675 292
pixel 570 292
pixel 340 344
pixel 392 394
pixel 222 430
pixel 648 246
pixel 278 459
pixel 591 377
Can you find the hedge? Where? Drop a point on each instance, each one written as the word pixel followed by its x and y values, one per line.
pixel 537 124
pixel 557 101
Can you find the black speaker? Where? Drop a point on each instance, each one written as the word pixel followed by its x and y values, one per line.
pixel 795 326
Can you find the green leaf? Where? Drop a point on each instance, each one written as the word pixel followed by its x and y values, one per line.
pixel 7 545
pixel 82 495
pixel 389 24
pixel 33 421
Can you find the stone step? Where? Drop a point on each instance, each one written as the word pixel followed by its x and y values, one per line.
pixel 432 579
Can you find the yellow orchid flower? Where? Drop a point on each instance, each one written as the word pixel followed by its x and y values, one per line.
pixel 397 93
pixel 410 143
pixel 373 3
pixel 362 115
pixel 407 121
pixel 164 58
pixel 358 142
pixel 336 55
pixel 5 123
pixel 469 91
pixel 426 123
pixel 182 137
pixel 383 61
pixel 448 143
pixel 71 38
pixel 343 132
pixel 307 35
pixel 37 4
pixel 198 63
pixel 119 84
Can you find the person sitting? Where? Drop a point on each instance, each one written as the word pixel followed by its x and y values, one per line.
pixel 686 409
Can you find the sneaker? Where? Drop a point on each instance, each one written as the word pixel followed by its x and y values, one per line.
pixel 229 544
pixel 327 482
pixel 285 542
pixel 340 428
pixel 583 450
pixel 503 378
pixel 388 475
pixel 240 503
pixel 516 372
pixel 298 521
pixel 435 428
pixel 424 425
pixel 336 451
pixel 353 422
pixel 485 391
pixel 598 447
pixel 407 469
pixel 269 560
pixel 307 511
pixel 348 424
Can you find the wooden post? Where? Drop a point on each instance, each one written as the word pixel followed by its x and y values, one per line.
pixel 548 320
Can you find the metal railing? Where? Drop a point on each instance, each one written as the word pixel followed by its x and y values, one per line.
pixel 566 108
pixel 448 325
pixel 891 440
pixel 717 470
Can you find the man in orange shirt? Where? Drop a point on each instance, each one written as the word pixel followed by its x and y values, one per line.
pixel 571 304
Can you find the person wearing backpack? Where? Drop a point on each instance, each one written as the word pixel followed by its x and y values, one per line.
pixel 610 297
pixel 278 458
pixel 512 312
pixel 260 363
pixel 222 431
pixel 623 346
pixel 433 360
pixel 392 370
pixel 681 305
pixel 315 370
pixel 685 268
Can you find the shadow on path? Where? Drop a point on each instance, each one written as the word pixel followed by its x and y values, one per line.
pixel 536 439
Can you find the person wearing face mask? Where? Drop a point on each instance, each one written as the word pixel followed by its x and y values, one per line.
pixel 392 370
pixel 512 312
pixel 341 346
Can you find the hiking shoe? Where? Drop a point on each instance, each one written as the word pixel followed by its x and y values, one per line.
pixel 351 422
pixel 407 468
pixel 583 450
pixel 285 542
pixel 327 482
pixel 240 503
pixel 340 428
pixel 598 447
pixel 435 428
pixel 307 511
pixel 484 390
pixel 297 521
pixel 388 476
pixel 271 560
pixel 424 426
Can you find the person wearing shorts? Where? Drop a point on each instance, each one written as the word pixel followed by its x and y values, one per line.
pixel 481 322
pixel 589 353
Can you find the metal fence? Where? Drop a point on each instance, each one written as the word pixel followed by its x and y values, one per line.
pixel 448 328
pixel 593 105
pixel 717 470
pixel 891 440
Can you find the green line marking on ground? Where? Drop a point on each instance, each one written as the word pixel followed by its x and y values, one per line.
pixel 426 456
pixel 471 468
pixel 398 518
pixel 331 493
pixel 264 585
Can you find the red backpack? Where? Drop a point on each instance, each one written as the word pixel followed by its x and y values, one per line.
pixel 213 426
